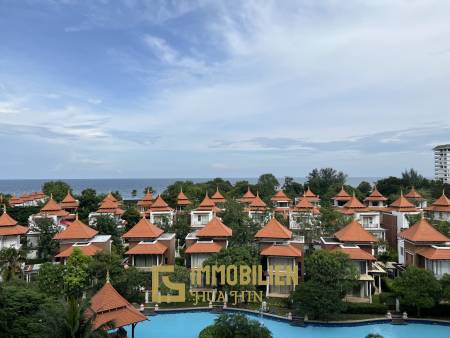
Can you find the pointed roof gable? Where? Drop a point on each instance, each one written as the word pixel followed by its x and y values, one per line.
pixel 143 229
pixel 218 197
pixel 182 199
pixel 257 203
pixel 69 201
pixel 280 196
pixel 402 204
pixel 215 228
pixel 204 247
pixel 354 232
pixel 304 204
pixel 154 248
pixel 89 249
pixel 274 229
pixel 248 194
pixel 375 195
pixel 309 193
pixel 160 205
pixel 423 231
pixel 354 203
pixel 342 195
pixel 107 206
pixel 413 194
pixel 109 305
pixel 9 226
pixel 356 253
pixel 15 200
pixel 76 230
pixel 442 201
pixel 110 197
pixel 206 204
pixel 146 201
pixel 53 208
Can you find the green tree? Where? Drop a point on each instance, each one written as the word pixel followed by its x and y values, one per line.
pixel 22 214
pixel 180 275
pixel 131 216
pixel 332 220
pixel 47 247
pixel 10 261
pixel 320 180
pixel 182 227
pixel 235 326
pixel 76 276
pixel 148 189
pixel 78 322
pixel 243 228
pixel 134 193
pixel 57 189
pixel 89 202
pixel 365 188
pixel 292 188
pixel 418 288
pixel 390 187
pixel 107 225
pixel 25 312
pixel 445 284
pixel 411 178
pixel 267 184
pixel 317 301
pixel 51 279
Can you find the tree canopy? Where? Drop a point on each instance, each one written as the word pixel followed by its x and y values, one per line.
pixel 57 189
pixel 235 326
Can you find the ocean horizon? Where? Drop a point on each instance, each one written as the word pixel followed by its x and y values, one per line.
pixel 126 185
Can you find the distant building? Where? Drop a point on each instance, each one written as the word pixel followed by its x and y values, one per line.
pixel 442 162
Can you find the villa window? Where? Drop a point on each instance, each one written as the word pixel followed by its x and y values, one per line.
pixel 145 261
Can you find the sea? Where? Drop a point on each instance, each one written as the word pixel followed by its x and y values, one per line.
pixel 126 185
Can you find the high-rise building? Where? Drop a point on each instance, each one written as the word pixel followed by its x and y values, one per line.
pixel 442 162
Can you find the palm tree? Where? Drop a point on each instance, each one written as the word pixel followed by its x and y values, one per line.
pixel 79 321
pixel 374 335
pixel 10 262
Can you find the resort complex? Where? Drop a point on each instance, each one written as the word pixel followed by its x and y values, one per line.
pixel 272 228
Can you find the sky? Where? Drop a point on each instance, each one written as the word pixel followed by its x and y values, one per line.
pixel 118 89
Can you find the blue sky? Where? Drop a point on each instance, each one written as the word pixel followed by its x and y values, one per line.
pixel 221 88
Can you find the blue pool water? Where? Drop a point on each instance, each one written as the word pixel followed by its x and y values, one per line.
pixel 189 324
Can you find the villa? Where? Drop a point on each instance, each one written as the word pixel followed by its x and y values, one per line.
pixel 148 245
pixel 10 232
pixel 258 210
pixel 440 209
pixel 375 199
pixel 206 241
pixel 218 199
pixel 33 199
pixel 417 199
pixel 204 213
pixel 355 241
pixel 281 203
pixel 303 214
pixel 247 198
pixel 423 246
pixel 111 207
pixel 312 197
pixel 79 235
pixel 160 213
pixel 145 203
pixel 182 202
pixel 70 204
pixel 279 247
pixel 341 198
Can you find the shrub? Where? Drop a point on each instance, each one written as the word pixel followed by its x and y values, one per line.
pixel 365 308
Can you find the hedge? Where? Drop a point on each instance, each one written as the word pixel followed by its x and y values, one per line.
pixel 366 308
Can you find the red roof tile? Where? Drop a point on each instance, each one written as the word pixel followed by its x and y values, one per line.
pixel 257 203
pixel 423 231
pixel 218 197
pixel 375 195
pixel 109 305
pixel 282 250
pixel 354 232
pixel 215 228
pixel 160 205
pixel 143 229
pixel 9 226
pixel 402 204
pixel 442 204
pixel 146 201
pixel 356 253
pixel 310 196
pixel 6 220
pixel 155 248
pixel 274 229
pixel 15 200
pixel 204 247
pixel 206 204
pixel 87 250
pixel 53 208
pixel 342 195
pixel 69 201
pixel 280 196
pixel 247 197
pixel 182 199
pixel 354 203
pixel 434 253
pixel 110 197
pixel 76 230
pixel 413 194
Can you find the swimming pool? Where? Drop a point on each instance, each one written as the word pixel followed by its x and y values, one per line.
pixel 189 324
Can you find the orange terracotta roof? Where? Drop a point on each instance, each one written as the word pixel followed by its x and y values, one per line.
pixel 69 201
pixel 280 196
pixel 218 197
pixel 15 200
pixel 402 204
pixel 282 250
pixel 354 232
pixel 207 204
pixel 247 197
pixel 6 220
pixel 215 228
pixel 160 205
pixel 204 247
pixel 342 195
pixel 87 250
pixel 146 201
pixel 434 253
pixel 155 248
pixel 76 230
pixel 9 226
pixel 304 204
pixel 356 253
pixel 53 208
pixel 109 305
pixel 423 231
pixel 143 229
pixel 413 194
pixel 182 199
pixel 274 229
pixel 257 203
pixel 310 196
pixel 375 195
pixel 354 203
pixel 110 197
pixel 442 204
pixel 108 206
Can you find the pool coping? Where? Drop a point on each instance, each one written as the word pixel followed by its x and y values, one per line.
pixel 353 322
